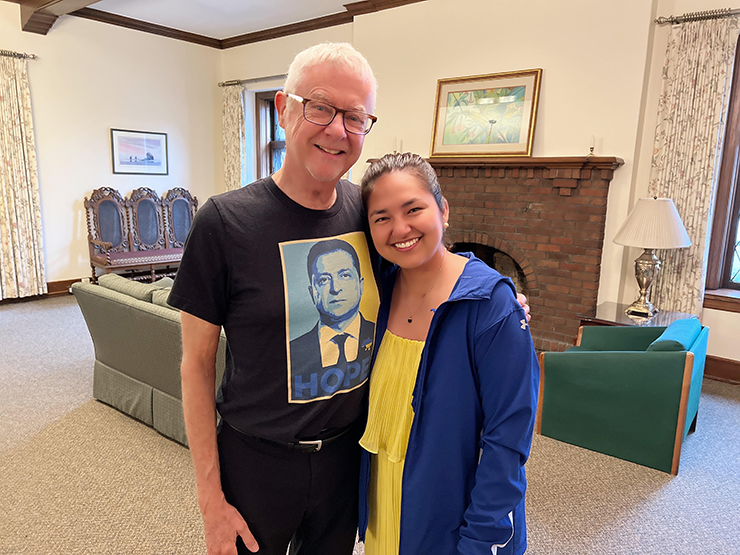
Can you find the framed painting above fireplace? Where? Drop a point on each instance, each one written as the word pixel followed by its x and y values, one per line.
pixel 486 115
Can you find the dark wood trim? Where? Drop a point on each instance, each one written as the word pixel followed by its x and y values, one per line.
pixel 353 10
pixel 370 6
pixel 152 28
pixel 723 299
pixel 38 16
pixel 36 21
pixel 287 30
pixel 726 187
pixel 60 287
pixel 722 369
pixel 528 162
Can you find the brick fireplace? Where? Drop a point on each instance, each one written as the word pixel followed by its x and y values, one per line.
pixel 539 221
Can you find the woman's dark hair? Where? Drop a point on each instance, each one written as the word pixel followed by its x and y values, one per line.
pixel 406 162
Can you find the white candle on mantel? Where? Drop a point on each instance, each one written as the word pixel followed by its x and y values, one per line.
pixel 395 142
pixel 593 141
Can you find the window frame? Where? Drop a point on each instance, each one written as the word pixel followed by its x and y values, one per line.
pixel 265 122
pixel 727 201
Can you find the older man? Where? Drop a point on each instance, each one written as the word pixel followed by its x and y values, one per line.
pixel 281 469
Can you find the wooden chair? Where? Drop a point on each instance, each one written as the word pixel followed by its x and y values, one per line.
pixel 146 220
pixel 107 228
pixel 179 208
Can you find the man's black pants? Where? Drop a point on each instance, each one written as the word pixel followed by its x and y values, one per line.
pixel 307 500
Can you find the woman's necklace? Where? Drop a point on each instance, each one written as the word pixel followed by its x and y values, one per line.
pixel 423 297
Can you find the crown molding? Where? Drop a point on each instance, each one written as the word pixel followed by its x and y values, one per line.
pixel 151 28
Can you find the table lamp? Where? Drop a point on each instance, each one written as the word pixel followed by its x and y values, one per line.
pixel 653 223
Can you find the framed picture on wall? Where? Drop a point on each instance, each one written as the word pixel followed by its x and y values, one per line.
pixel 139 152
pixel 486 115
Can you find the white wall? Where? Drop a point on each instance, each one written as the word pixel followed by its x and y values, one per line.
pixel 91 77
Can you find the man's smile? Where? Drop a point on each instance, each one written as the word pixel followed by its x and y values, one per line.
pixel 329 151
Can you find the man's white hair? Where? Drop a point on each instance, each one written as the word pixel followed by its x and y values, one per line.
pixel 341 53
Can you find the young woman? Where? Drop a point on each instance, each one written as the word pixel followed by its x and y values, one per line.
pixel 453 388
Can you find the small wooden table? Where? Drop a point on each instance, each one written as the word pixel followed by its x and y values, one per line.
pixel 612 314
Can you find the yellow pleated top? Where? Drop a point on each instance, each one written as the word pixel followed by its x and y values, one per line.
pixel 387 436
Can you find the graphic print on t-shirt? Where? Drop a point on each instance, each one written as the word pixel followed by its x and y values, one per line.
pixel 331 304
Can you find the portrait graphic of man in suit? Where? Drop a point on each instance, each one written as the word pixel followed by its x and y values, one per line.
pixel 334 355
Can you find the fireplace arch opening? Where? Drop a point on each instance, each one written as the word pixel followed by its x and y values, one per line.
pixel 499 261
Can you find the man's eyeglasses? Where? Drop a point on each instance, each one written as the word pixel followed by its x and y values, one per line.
pixel 321 113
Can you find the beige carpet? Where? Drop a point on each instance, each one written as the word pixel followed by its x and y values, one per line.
pixel 96 481
pixel 78 477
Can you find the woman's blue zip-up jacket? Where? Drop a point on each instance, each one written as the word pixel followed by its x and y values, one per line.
pixel 474 407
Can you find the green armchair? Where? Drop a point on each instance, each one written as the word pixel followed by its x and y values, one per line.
pixel 628 392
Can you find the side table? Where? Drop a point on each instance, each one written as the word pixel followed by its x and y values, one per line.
pixel 612 314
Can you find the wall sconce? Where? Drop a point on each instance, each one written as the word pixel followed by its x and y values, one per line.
pixel 653 223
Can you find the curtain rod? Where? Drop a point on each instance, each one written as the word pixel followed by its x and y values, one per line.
pixel 698 16
pixel 22 55
pixel 254 80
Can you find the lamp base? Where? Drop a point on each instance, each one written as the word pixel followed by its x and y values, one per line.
pixel 640 309
pixel 647 266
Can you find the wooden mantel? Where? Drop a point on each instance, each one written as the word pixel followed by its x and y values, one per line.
pixel 527 162
pixel 553 163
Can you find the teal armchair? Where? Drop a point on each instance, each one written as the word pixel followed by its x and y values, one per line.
pixel 629 392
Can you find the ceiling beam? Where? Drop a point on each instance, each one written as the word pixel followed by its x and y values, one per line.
pixel 38 16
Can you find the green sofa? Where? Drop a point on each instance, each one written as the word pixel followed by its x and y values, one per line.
pixel 138 349
pixel 628 392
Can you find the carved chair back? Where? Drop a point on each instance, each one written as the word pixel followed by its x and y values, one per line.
pixel 179 210
pixel 146 220
pixel 106 220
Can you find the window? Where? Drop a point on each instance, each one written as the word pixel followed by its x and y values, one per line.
pixel 270 136
pixel 724 250
pixel 731 277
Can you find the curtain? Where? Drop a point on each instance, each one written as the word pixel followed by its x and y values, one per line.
pixel 234 135
pixel 688 138
pixel 21 254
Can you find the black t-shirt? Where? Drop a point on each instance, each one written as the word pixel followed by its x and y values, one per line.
pixel 245 267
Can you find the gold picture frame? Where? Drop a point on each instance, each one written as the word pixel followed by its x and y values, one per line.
pixel 486 115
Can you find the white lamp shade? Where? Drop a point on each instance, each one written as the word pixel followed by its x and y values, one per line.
pixel 653 223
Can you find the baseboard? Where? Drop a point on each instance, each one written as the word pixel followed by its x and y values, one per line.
pixel 60 287
pixel 53 288
pixel 722 369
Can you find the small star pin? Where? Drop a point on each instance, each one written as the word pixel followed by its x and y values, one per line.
pixel 524 324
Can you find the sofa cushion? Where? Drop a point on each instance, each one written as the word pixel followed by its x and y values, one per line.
pixel 141 291
pixel 160 296
pixel 678 336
